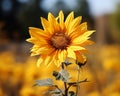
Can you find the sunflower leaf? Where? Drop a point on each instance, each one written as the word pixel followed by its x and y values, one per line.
pixel 54 92
pixel 62 75
pixel 44 82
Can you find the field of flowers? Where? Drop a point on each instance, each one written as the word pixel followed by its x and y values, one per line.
pixel 102 71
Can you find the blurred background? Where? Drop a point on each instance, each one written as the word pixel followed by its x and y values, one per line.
pixel 18 70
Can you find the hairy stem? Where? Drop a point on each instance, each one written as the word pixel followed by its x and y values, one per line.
pixel 77 87
pixel 65 84
pixel 59 90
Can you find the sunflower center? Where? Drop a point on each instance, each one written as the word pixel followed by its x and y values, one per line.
pixel 59 40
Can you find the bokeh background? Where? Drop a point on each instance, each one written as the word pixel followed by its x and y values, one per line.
pixel 18 70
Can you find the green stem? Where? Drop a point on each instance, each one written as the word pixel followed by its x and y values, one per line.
pixel 77 88
pixel 65 84
pixel 59 89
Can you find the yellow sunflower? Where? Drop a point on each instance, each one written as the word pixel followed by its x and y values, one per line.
pixel 59 39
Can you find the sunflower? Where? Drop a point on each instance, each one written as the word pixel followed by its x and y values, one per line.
pixel 59 39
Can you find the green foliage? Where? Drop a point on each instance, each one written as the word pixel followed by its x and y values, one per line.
pixel 55 92
pixel 71 93
pixel 62 75
pixel 45 82
pixel 65 77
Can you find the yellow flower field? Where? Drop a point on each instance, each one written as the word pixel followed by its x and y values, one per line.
pixel 102 72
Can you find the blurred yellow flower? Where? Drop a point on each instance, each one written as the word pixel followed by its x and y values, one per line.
pixel 94 93
pixel 112 88
pixel 115 94
pixel 59 40
pixel 27 91
pixel 33 91
pixel 1 93
pixel 110 59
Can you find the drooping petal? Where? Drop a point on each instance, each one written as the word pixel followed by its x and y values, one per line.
pixel 40 61
pixel 57 63
pixel 62 55
pixel 53 56
pixel 80 58
pixel 84 51
pixel 47 60
pixel 70 53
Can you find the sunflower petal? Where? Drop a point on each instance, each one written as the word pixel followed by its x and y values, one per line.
pixel 71 53
pixel 30 40
pixel 82 28
pixel 72 30
pixel 40 61
pixel 57 63
pixel 76 48
pixel 62 55
pixel 34 54
pixel 36 32
pixel 34 48
pixel 87 42
pixel 69 19
pixel 61 17
pixel 82 38
pixel 53 23
pixel 47 60
pixel 41 42
pixel 46 25
pixel 80 58
pixel 88 33
pixel 74 24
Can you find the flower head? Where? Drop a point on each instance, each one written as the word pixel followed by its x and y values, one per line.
pixel 59 39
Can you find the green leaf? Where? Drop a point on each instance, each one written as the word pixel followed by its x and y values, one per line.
pixel 65 75
pixel 44 82
pixel 62 75
pixel 57 75
pixel 55 92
